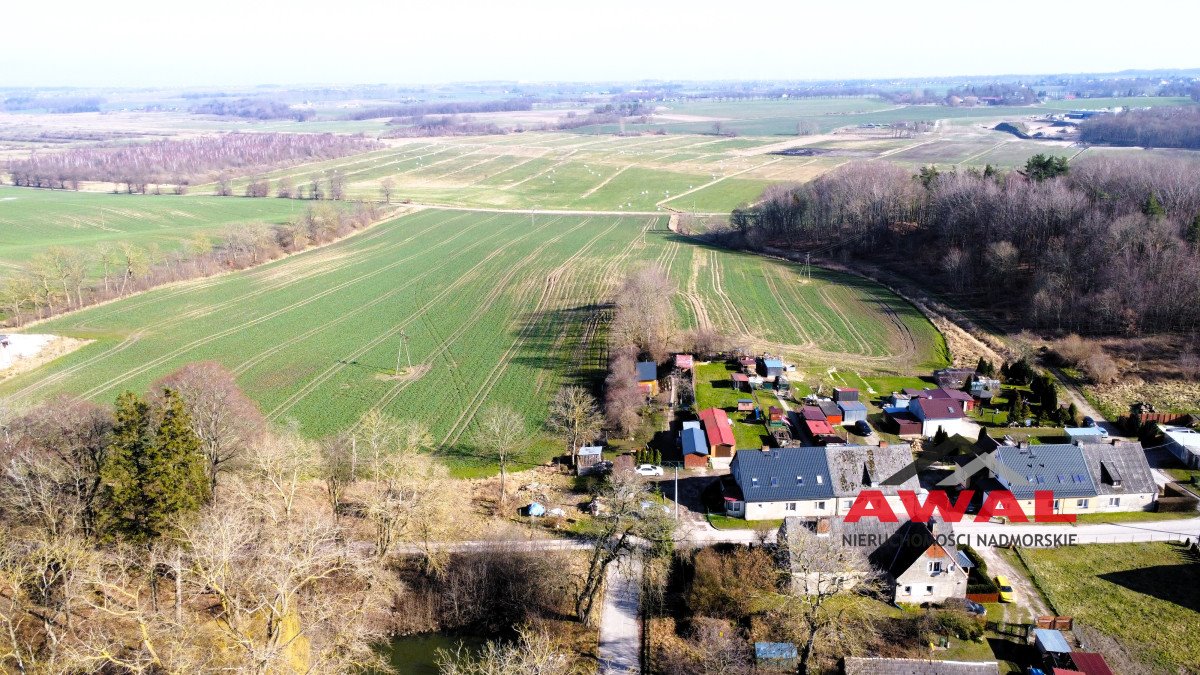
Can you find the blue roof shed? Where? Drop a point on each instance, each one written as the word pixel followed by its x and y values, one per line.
pixel 853 411
pixel 647 371
pixel 694 442
pixel 1051 641
pixel 775 651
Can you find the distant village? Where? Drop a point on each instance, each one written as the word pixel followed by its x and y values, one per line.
pixel 818 451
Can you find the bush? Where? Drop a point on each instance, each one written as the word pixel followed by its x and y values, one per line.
pixel 1074 350
pixel 958 624
pixel 1101 368
pixel 725 584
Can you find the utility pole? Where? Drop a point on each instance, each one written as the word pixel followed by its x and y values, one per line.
pixel 677 492
pixel 808 265
pixel 404 346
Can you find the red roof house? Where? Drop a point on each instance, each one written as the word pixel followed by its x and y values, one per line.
pixel 817 428
pixel 718 431
pixel 683 361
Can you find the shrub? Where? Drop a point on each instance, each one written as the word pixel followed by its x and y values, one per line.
pixel 958 624
pixel 1101 368
pixel 725 584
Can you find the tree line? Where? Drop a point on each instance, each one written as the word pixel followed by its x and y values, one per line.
pixel 253 108
pixel 178 161
pixel 61 279
pixel 449 108
pixel 1177 127
pixel 1104 245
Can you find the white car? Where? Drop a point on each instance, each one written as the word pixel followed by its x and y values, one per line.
pixel 649 470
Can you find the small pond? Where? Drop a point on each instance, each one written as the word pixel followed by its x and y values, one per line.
pixel 418 654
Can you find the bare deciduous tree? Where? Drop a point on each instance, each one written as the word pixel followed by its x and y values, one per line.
pixel 575 415
pixel 223 417
pixel 630 517
pixel 499 434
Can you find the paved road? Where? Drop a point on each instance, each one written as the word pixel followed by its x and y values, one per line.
pixel 620 629
pixel 1094 533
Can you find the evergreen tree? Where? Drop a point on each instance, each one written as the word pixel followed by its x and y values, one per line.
pixel 1153 208
pixel 940 437
pixel 1072 414
pixel 1193 233
pixel 985 368
pixel 1040 167
pixel 154 468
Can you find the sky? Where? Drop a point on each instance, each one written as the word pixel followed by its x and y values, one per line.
pixel 245 42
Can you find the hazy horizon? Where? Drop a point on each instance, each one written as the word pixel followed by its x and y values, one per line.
pixel 147 44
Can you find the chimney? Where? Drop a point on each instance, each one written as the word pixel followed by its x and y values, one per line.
pixel 883 444
pixel 1021 445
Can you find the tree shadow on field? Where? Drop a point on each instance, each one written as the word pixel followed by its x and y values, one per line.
pixel 1178 584
pixel 569 341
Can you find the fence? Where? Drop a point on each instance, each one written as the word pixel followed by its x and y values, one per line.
pixel 983 597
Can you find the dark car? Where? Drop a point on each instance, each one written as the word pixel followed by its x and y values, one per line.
pixel 1089 422
pixel 968 606
pixel 862 428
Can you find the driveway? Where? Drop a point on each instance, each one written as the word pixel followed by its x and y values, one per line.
pixel 1027 602
pixel 620 628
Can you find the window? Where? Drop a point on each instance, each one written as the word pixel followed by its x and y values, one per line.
pixel 774 481
pixel 791 506
pixel 799 480
pixel 820 506
pixel 1081 503
pixel 935 567
pixel 929 590
pixel 847 503
pixel 1057 505
pixel 908 590
pixel 1114 501
pixel 753 482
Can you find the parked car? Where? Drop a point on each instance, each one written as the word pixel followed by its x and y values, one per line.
pixel 968 606
pixel 862 428
pixel 649 470
pixel 1006 590
pixel 1088 422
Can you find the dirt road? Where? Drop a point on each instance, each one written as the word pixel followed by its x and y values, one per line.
pixel 1028 603
pixel 620 628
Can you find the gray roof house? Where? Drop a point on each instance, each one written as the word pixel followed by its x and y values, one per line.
pixel 1121 475
pixel 1184 443
pixel 781 482
pixel 855 467
pixel 1060 468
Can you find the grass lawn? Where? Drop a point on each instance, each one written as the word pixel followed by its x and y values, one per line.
pixel 1147 596
pixel 714 390
pixel 722 522
pixel 1188 478
pixel 1135 516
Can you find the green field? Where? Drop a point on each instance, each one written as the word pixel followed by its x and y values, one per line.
pixel 33 220
pixel 1147 596
pixel 498 307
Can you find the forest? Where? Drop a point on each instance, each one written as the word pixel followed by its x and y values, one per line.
pixel 257 109
pixel 1100 246
pixel 178 161
pixel 1150 128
